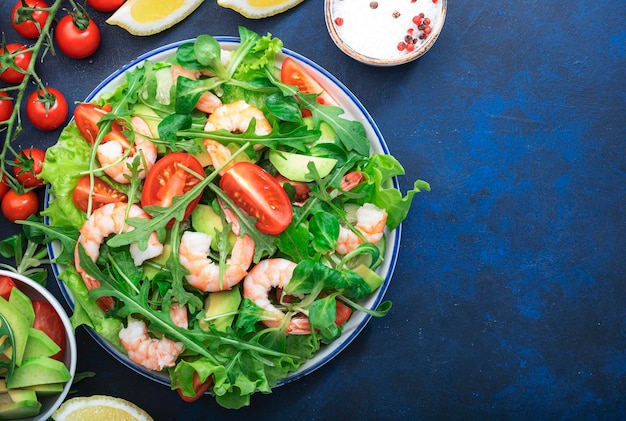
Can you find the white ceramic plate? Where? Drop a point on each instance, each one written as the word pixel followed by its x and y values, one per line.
pixel 354 110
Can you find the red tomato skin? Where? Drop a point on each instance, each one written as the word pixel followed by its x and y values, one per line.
pixel 343 313
pixel 48 321
pixel 87 117
pixel 73 41
pixel 6 285
pixel 260 195
pixel 50 119
pixel 29 178
pixel 199 387
pixel 6 107
pixel 4 187
pixel 293 73
pixel 21 60
pixel 28 29
pixel 166 180
pixel 18 206
pixel 103 193
pixel 105 5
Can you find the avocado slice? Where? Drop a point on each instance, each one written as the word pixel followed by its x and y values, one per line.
pixel 48 389
pixel 22 303
pixel 19 404
pixel 205 219
pixel 373 279
pixel 38 370
pixel 39 345
pixel 295 166
pixel 220 302
pixel 20 327
pixel 152 266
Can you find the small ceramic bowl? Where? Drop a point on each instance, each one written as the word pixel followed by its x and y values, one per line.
pixel 378 33
pixel 36 291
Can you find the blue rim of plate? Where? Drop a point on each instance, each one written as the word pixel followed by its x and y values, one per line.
pixel 327 352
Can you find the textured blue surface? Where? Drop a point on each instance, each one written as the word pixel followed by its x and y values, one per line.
pixel 509 296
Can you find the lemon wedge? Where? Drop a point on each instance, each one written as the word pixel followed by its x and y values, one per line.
pixel 148 17
pixel 99 407
pixel 257 9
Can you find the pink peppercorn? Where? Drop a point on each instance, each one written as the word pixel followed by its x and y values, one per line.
pixel 338 21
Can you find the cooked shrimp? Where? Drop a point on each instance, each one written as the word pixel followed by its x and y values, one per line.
pixel 218 154
pixel 205 273
pixel 179 315
pixel 152 353
pixel 268 274
pixel 104 221
pixel 236 117
pixel 208 101
pixel 370 221
pixel 111 154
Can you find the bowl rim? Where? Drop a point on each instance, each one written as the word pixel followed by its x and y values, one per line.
pixel 383 62
pixel 71 350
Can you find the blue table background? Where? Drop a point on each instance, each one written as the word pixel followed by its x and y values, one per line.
pixel 509 296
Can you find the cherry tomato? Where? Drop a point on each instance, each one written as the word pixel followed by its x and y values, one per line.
pixel 343 313
pixel 47 110
pixel 28 28
pixel 105 5
pixel 78 36
pixel 199 387
pixel 167 179
pixel 87 117
pixel 48 321
pixel 28 167
pixel 102 194
pixel 4 187
pixel 258 194
pixel 19 206
pixel 6 285
pixel 293 73
pixel 6 106
pixel 21 60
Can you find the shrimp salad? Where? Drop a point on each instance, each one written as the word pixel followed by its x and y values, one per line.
pixel 217 220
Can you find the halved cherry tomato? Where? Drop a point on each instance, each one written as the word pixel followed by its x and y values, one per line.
pixel 77 35
pixel 28 28
pixel 46 110
pixel 105 5
pixel 48 321
pixel 168 179
pixel 21 60
pixel 87 117
pixel 6 285
pixel 260 195
pixel 6 107
pixel 102 194
pixel 29 166
pixel 343 313
pixel 199 387
pixel 293 73
pixel 19 206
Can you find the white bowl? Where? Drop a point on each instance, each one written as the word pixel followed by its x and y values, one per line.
pixel 371 34
pixel 36 291
pixel 353 110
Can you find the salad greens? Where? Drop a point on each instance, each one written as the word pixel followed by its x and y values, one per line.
pixel 245 357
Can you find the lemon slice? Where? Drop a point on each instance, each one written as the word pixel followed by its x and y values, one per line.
pixel 256 9
pixel 99 407
pixel 148 17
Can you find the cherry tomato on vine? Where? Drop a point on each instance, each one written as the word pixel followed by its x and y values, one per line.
pixel 19 206
pixel 6 107
pixel 47 110
pixel 77 35
pixel 105 5
pixel 260 195
pixel 293 73
pixel 28 166
pixel 4 187
pixel 48 321
pixel 22 61
pixel 167 179
pixel 6 285
pixel 29 28
pixel 199 387
pixel 101 194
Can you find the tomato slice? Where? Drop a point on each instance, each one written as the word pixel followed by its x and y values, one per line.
pixel 343 313
pixel 260 195
pixel 199 387
pixel 102 194
pixel 292 73
pixel 6 285
pixel 169 178
pixel 48 321
pixel 87 117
